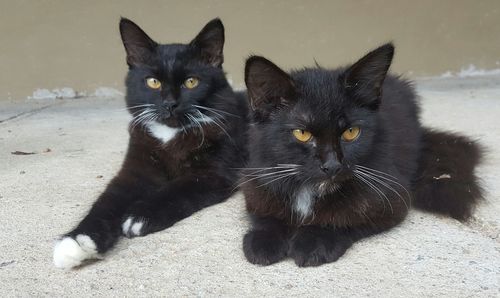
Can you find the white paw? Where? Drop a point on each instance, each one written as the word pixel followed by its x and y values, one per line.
pixel 69 252
pixel 132 227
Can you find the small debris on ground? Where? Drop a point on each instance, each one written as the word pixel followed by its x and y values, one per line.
pixel 99 176
pixel 46 150
pixel 22 153
pixel 3 264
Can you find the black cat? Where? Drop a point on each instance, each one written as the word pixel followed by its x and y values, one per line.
pixel 338 155
pixel 187 138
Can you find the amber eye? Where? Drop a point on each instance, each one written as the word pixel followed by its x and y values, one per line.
pixel 351 134
pixel 302 135
pixel 191 83
pixel 153 83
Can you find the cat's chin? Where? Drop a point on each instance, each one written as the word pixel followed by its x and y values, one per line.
pixel 327 187
pixel 170 122
pixel 331 184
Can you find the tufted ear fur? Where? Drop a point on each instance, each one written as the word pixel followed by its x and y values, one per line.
pixel 210 43
pixel 138 45
pixel 268 86
pixel 364 79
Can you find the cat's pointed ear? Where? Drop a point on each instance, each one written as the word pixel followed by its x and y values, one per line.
pixel 365 78
pixel 138 45
pixel 268 86
pixel 210 43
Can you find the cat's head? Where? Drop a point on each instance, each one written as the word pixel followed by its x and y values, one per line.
pixel 166 81
pixel 312 126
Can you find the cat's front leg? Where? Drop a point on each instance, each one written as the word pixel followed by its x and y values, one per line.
pixel 267 241
pixel 182 197
pixel 315 245
pixel 100 228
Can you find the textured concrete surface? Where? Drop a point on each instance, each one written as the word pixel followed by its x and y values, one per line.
pixel 46 193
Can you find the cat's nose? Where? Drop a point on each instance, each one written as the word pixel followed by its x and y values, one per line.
pixel 331 167
pixel 170 105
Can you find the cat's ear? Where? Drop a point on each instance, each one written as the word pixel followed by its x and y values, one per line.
pixel 138 45
pixel 268 86
pixel 210 43
pixel 365 78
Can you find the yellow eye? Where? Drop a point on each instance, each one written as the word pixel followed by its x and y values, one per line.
pixel 191 83
pixel 153 83
pixel 351 134
pixel 302 135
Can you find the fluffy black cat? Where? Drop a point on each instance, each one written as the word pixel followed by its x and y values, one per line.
pixel 187 138
pixel 338 155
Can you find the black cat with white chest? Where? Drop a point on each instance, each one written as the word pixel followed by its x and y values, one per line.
pixel 187 138
pixel 339 155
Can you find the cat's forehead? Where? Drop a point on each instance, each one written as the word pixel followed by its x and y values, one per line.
pixel 319 93
pixel 168 54
pixel 172 50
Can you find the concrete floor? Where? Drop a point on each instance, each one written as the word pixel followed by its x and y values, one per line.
pixel 44 194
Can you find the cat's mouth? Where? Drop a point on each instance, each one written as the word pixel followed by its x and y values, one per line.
pixel 170 119
pixel 331 184
pixel 327 187
pixel 168 115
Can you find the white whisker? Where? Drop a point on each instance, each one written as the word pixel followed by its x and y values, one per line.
pixel 279 178
pixel 216 122
pixel 377 190
pixel 261 175
pixel 380 172
pixel 216 111
pixel 370 171
pixel 198 124
pixel 141 118
pixel 376 179
pixel 266 176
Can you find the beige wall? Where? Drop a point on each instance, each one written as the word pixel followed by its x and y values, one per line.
pixel 53 44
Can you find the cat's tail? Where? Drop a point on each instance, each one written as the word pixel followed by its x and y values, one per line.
pixel 445 181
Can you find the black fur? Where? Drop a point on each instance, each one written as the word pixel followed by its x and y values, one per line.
pixel 445 182
pixel 356 188
pixel 162 183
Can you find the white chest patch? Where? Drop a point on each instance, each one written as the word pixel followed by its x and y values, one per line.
pixel 162 132
pixel 303 203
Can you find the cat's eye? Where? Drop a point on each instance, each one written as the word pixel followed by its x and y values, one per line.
pixel 351 134
pixel 153 83
pixel 302 135
pixel 191 83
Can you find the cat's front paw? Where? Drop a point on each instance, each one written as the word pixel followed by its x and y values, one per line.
pixel 70 252
pixel 264 247
pixel 310 247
